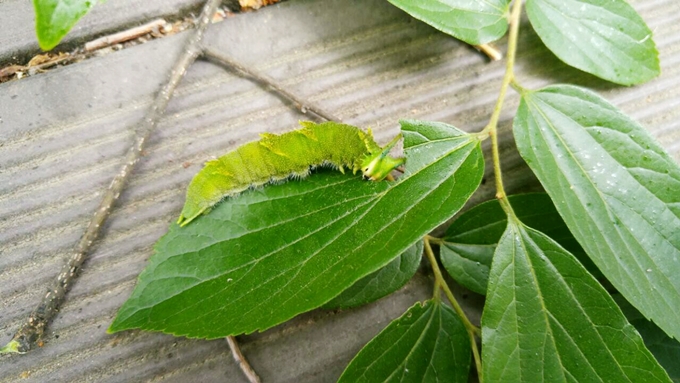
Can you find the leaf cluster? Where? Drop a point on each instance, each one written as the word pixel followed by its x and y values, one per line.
pixel 611 213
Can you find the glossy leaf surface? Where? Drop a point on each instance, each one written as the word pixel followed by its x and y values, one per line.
pixel 606 38
pixel 547 320
pixel 664 348
pixel 382 282
pixel 616 189
pixel 473 21
pixel 426 344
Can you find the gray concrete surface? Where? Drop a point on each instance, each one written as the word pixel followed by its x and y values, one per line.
pixel 17 26
pixel 63 135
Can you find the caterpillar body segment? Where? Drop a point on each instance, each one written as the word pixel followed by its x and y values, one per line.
pixel 275 158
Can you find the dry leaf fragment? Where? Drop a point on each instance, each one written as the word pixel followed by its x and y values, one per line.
pixel 7 72
pixel 47 58
pixel 255 4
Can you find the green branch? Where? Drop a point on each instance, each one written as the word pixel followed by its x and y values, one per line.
pixel 491 128
pixel 473 331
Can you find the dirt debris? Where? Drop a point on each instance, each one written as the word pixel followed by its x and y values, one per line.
pixel 255 4
pixel 114 42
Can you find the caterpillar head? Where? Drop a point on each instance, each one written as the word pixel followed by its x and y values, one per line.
pixel 378 165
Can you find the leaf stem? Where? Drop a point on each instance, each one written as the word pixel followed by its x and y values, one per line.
pixel 491 128
pixel 435 240
pixel 441 282
pixel 472 330
pixel 518 88
pixel 437 291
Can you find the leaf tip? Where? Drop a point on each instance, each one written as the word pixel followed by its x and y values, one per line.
pixel 113 327
pixel 10 348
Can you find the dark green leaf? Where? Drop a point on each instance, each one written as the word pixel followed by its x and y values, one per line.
pixel 471 239
pixel 616 189
pixel 664 348
pixel 54 18
pixel 270 254
pixel 468 264
pixel 606 38
pixel 427 344
pixel 382 282
pixel 547 320
pixel 473 21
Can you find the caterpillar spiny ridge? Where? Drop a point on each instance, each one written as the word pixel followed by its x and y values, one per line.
pixel 293 154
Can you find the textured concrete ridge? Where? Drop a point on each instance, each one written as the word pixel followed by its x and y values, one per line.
pixel 17 20
pixel 63 135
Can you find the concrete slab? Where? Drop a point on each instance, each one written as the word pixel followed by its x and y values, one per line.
pixel 63 135
pixel 17 22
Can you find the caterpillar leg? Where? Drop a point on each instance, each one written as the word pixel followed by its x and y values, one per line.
pixel 189 214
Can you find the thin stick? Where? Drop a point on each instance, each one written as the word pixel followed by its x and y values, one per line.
pixel 123 36
pixel 490 51
pixel 31 332
pixel 303 105
pixel 242 361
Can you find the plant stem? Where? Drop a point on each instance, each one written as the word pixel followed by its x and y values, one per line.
pixel 439 278
pixel 241 360
pixel 472 330
pixel 32 330
pixel 490 51
pixel 302 104
pixel 492 128
pixel 518 88
pixel 435 240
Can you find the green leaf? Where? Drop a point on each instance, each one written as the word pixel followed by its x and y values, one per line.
pixel 260 259
pixel 12 347
pixel 547 320
pixel 664 348
pixel 382 282
pixel 427 344
pixel 54 18
pixel 470 241
pixel 606 38
pixel 473 21
pixel 616 189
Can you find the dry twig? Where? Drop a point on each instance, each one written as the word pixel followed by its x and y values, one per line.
pixel 124 35
pixel 242 361
pixel 303 105
pixel 31 332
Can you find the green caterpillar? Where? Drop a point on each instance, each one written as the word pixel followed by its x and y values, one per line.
pixel 293 154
